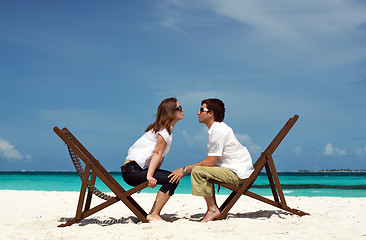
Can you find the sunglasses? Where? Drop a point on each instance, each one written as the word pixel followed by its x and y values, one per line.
pixel 204 110
pixel 179 109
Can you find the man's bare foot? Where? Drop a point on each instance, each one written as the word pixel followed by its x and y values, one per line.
pixel 211 214
pixel 153 217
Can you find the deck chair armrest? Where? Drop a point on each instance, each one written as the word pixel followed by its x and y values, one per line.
pixel 136 189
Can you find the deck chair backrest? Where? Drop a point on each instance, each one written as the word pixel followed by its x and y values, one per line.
pixel 94 170
pixel 78 149
pixel 279 137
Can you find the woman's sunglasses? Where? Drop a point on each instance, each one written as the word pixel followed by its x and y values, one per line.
pixel 179 109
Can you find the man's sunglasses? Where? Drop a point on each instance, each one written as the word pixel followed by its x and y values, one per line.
pixel 179 109
pixel 204 110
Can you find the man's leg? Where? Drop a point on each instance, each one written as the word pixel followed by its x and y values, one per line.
pixel 202 187
pixel 201 174
pixel 213 210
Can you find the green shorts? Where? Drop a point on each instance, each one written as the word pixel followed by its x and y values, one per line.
pixel 201 174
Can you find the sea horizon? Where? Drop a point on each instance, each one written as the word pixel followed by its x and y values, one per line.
pixel 300 183
pixel 294 171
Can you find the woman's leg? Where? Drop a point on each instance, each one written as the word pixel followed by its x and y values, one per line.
pixel 160 200
pixel 134 175
pixel 163 195
pixel 162 178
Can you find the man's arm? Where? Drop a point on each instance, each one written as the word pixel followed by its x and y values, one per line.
pixel 208 162
pixel 177 174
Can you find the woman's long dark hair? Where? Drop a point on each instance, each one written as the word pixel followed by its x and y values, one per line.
pixel 165 116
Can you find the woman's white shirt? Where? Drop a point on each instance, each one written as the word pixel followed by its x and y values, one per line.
pixel 142 150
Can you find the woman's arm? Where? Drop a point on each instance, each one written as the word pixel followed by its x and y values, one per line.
pixel 155 161
pixel 160 163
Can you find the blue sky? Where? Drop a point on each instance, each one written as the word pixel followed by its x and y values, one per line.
pixel 100 68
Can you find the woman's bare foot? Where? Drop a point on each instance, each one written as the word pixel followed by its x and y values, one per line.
pixel 152 217
pixel 211 214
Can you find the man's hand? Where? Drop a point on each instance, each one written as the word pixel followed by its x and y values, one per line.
pixel 176 175
pixel 151 182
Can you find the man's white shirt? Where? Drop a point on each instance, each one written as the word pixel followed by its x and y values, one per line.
pixel 231 154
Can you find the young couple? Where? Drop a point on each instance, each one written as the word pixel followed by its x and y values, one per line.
pixel 227 160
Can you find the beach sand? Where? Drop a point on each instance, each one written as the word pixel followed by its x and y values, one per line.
pixel 36 214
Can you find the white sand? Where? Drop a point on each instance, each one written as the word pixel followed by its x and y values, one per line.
pixel 36 214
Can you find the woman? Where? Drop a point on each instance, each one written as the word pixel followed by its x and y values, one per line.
pixel 147 154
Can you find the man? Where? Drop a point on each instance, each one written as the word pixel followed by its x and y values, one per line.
pixel 227 160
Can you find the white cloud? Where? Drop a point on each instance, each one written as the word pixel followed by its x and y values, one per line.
pixel 329 150
pixel 194 98
pixel 200 138
pixel 297 150
pixel 307 28
pixel 360 152
pixel 280 18
pixel 328 15
pixel 171 18
pixel 9 152
pixel 248 142
pixel 196 139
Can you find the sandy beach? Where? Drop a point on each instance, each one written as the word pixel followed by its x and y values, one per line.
pixel 36 214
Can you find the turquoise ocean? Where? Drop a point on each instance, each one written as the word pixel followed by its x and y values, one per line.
pixel 309 184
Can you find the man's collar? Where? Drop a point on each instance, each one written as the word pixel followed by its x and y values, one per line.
pixel 212 127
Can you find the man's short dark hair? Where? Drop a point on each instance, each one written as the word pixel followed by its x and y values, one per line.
pixel 217 107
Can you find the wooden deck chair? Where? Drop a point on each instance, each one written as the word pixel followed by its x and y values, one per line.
pixel 266 161
pixel 94 170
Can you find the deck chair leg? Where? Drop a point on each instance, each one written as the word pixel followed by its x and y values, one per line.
pixel 271 183
pixel 231 200
pixel 84 186
pixel 234 197
pixel 90 192
pixel 79 209
pixel 134 207
pixel 69 223
pixel 276 179
pixel 88 200
pixel 228 199
pixel 127 200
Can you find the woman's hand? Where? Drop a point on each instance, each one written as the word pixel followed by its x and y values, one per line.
pixel 151 182
pixel 176 175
